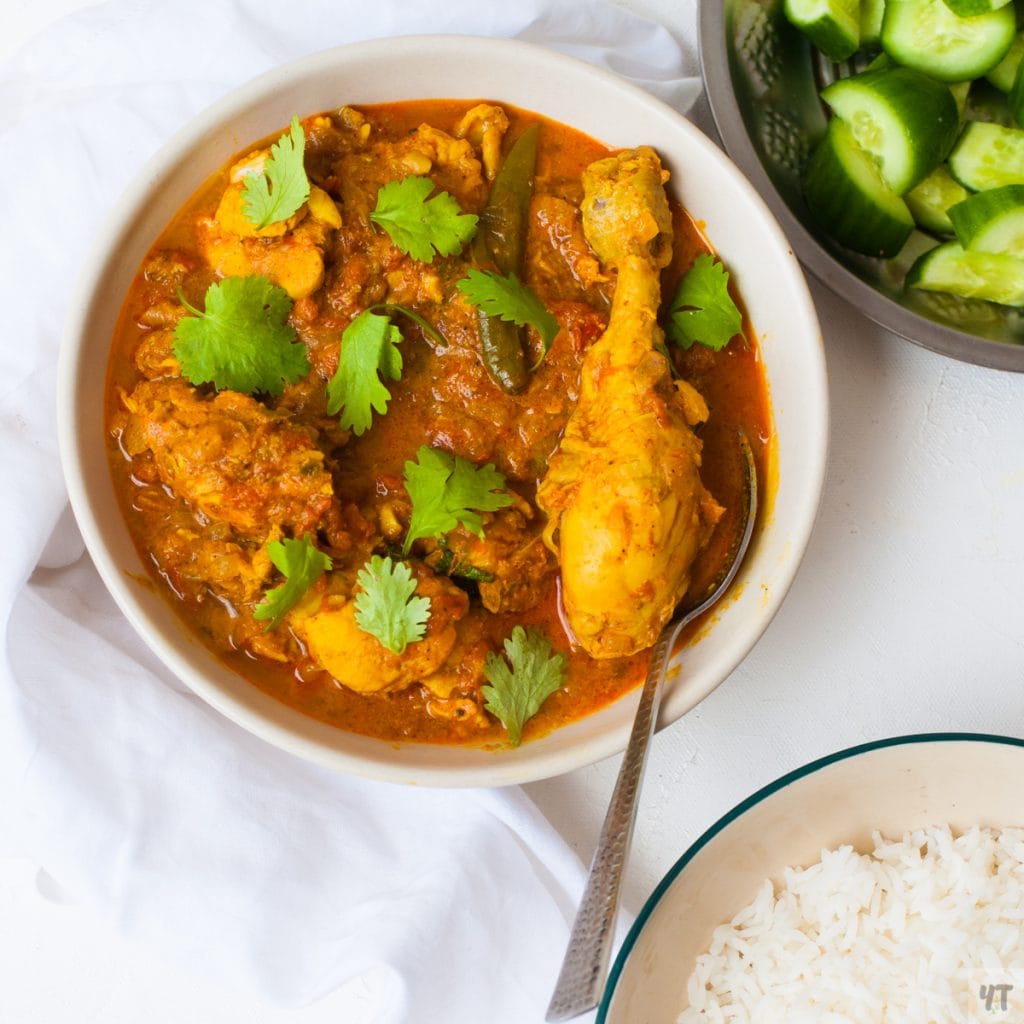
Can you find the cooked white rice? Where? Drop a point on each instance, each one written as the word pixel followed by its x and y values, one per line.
pixel 926 930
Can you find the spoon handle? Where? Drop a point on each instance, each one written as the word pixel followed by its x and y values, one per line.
pixel 581 980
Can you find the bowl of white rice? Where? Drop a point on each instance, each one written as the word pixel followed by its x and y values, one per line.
pixel 881 884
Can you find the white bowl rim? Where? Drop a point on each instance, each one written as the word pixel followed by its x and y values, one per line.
pixel 751 801
pixel 529 762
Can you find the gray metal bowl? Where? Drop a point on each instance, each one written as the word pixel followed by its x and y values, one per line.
pixel 763 81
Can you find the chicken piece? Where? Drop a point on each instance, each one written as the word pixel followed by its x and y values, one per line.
pixel 444 150
pixel 294 262
pixel 289 252
pixel 355 121
pixel 230 213
pixel 518 575
pixel 414 286
pixel 456 684
pixel 194 559
pixel 485 126
pixel 198 556
pixel 510 560
pixel 451 163
pixel 154 356
pixel 229 457
pixel 627 510
pixel 323 208
pixel 360 662
pixel 231 216
pixel 563 260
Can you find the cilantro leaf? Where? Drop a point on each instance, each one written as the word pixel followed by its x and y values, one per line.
pixel 419 226
pixel 385 607
pixel 702 309
pixel 446 490
pixel 511 300
pixel 282 187
pixel 243 340
pixel 393 309
pixel 519 686
pixel 368 353
pixel 301 563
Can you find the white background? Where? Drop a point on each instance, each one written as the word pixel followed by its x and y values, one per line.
pixel 906 616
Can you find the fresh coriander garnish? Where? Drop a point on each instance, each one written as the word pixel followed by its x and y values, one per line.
pixel 242 341
pixel 446 491
pixel 301 563
pixel 520 685
pixel 393 309
pixel 507 298
pixel 702 309
pixel 278 191
pixel 420 226
pixel 369 352
pixel 385 606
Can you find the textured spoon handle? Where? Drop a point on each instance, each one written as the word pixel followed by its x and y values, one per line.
pixel 579 984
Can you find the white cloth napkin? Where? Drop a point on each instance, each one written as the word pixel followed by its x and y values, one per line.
pixel 243 862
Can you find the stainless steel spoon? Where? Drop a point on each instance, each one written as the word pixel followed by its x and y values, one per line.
pixel 581 980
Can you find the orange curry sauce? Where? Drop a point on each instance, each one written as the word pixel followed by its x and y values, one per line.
pixel 445 398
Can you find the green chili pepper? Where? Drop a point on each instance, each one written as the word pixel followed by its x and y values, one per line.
pixel 501 345
pixel 501 240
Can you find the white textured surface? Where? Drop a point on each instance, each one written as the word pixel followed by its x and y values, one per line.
pixel 906 616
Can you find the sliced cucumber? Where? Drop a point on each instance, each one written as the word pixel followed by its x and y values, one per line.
pixel 871 13
pixel 972 8
pixel 879 61
pixel 960 91
pixel 832 25
pixel 1003 74
pixel 931 199
pixel 890 159
pixel 988 156
pixel 928 36
pixel 973 275
pixel 991 221
pixel 907 121
pixel 848 198
pixel 1015 101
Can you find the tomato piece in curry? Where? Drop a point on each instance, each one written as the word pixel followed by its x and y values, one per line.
pixel 206 479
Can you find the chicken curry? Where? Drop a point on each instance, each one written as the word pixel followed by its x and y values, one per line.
pixel 395 420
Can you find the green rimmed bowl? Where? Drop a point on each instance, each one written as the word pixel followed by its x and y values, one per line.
pixel 893 786
pixel 762 80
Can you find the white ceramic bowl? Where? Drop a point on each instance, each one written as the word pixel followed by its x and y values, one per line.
pixel 894 785
pixel 602 105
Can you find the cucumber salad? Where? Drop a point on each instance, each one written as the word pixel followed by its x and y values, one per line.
pixel 904 148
